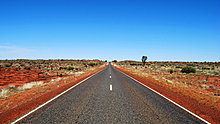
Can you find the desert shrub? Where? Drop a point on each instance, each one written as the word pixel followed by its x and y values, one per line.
pixel 92 64
pixel 133 64
pixel 11 86
pixel 78 68
pixel 27 67
pixel 205 82
pixel 216 73
pixel 171 71
pixel 4 93
pixel 114 61
pixel 178 67
pixel 86 65
pixel 22 64
pixel 45 73
pixel 1 65
pixel 7 65
pixel 70 68
pixel 188 69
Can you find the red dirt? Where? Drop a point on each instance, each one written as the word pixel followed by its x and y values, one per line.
pixel 206 111
pixel 22 103
pixel 18 77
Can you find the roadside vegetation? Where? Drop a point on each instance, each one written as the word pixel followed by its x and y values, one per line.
pixel 25 74
pixel 199 80
pixel 24 84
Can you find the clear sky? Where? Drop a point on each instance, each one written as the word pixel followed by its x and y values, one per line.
pixel 164 30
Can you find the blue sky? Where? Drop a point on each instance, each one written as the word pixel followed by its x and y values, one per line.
pixel 164 30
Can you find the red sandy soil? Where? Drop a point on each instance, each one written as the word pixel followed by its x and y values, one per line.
pixel 18 77
pixel 204 110
pixel 22 102
pixel 194 80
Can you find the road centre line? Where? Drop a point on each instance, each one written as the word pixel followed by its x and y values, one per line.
pixel 110 87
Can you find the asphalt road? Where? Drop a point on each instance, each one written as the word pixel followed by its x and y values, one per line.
pixel 95 101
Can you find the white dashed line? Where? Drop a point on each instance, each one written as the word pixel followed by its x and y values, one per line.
pixel 110 76
pixel 110 87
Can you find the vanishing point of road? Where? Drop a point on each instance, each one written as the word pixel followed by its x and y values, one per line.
pixel 110 97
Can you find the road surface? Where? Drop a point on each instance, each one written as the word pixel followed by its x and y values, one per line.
pixel 110 97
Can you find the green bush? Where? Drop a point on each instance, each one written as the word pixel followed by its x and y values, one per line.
pixel 133 64
pixel 171 71
pixel 7 65
pixel 188 69
pixel 114 61
pixel 92 64
pixel 70 68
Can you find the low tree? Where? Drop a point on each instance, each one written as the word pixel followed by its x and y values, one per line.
pixel 114 61
pixel 144 59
